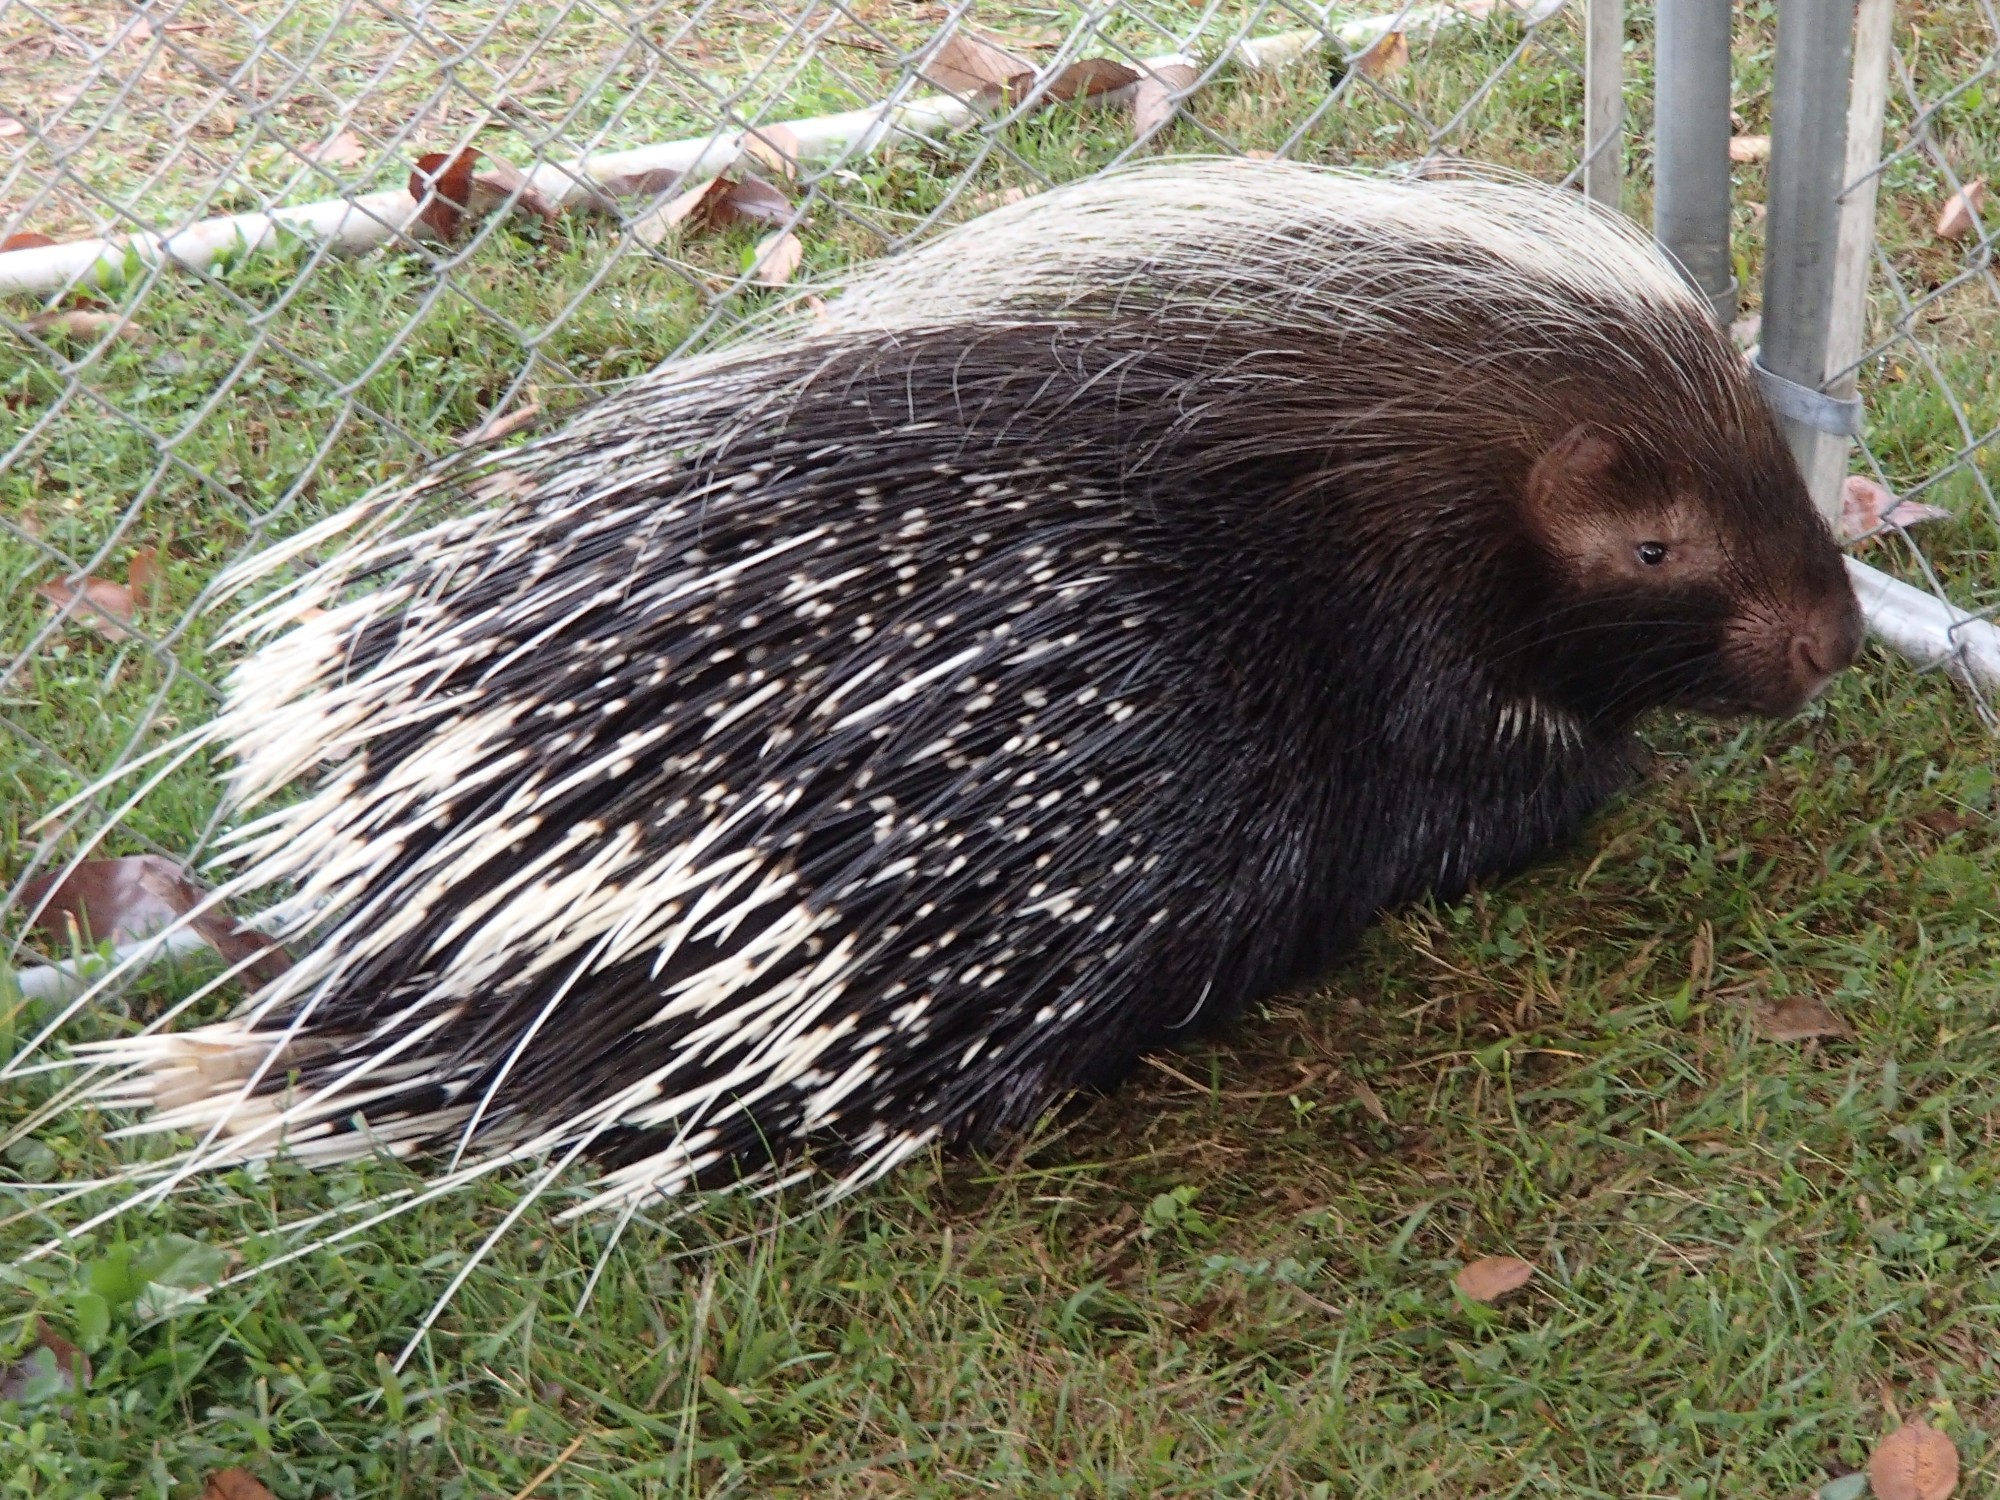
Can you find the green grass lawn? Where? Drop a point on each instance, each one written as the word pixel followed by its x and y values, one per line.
pixel 1234 1276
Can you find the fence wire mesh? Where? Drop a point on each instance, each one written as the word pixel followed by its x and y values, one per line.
pixel 252 268
pixel 1930 368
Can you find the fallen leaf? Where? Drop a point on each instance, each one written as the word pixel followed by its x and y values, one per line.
pixel 714 204
pixel 1865 507
pixel 1370 1101
pixel 52 1367
pixel 1701 959
pixel 1493 1277
pixel 1157 98
pixel 1847 1487
pixel 1960 216
pixel 1261 155
pixel 98 603
pixel 647 184
pixel 1384 57
pixel 759 202
pixel 774 146
pixel 776 259
pixel 218 121
pixel 1088 76
pixel 443 185
pixel 25 240
pixel 1748 148
pixel 124 900
pixel 343 150
pixel 11 128
pixel 143 576
pixel 495 428
pixel 82 323
pixel 973 66
pixel 659 221
pixel 1944 822
pixel 500 183
pixel 981 203
pixel 1799 1018
pixel 1915 1462
pixel 233 1484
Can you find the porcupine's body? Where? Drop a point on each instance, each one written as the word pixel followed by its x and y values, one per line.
pixel 858 740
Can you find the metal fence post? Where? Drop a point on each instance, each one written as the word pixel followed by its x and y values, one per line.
pixel 1691 79
pixel 1809 80
pixel 1854 252
pixel 1604 101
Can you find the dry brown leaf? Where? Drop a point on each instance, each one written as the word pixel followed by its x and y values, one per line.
pixel 98 603
pixel 82 323
pixel 1865 506
pixel 1493 1277
pixel 443 185
pixel 714 204
pixel 496 184
pixel 27 239
pixel 1087 77
pixel 1915 1462
pixel 758 202
pixel 1701 959
pixel 776 259
pixel 1157 98
pixel 1370 1101
pixel 1960 216
pixel 124 900
pixel 1261 155
pixel 143 576
pixel 981 203
pixel 72 1365
pixel 343 150
pixel 659 221
pixel 647 184
pixel 1384 57
pixel 774 147
pixel 693 203
pixel 233 1484
pixel 1799 1018
pixel 1744 149
pixel 974 66
pixel 497 427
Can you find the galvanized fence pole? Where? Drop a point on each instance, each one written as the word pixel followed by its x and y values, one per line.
pixel 1809 80
pixel 1854 243
pixel 1604 101
pixel 1691 76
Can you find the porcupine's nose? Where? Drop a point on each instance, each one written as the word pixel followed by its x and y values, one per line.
pixel 1827 645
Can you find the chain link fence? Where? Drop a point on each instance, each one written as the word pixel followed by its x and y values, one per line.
pixel 261 255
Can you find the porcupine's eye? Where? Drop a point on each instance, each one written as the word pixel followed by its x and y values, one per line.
pixel 1652 554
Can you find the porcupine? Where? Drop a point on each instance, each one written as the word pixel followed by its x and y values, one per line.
pixel 859 737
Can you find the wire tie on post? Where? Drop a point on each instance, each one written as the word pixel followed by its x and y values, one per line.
pixel 1838 415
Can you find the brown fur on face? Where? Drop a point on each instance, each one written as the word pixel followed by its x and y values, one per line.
pixel 1649 543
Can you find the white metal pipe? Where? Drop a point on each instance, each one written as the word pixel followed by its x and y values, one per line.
pixel 351 226
pixel 1926 629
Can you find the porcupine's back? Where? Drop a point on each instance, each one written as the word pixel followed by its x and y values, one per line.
pixel 860 739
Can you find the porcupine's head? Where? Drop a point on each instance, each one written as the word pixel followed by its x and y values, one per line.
pixel 1683 562
pixel 1501 411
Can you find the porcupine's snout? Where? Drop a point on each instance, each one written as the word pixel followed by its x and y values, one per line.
pixel 1827 643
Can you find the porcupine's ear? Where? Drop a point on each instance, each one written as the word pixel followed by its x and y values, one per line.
pixel 1564 497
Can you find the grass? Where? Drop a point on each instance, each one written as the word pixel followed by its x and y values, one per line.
pixel 1231 1278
